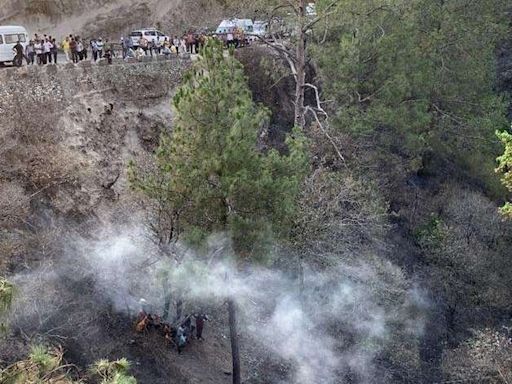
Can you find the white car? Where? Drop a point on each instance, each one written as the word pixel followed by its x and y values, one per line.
pixel 9 36
pixel 150 34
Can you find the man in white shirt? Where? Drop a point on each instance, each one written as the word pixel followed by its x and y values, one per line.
pixel 47 47
pixel 99 45
pixel 38 47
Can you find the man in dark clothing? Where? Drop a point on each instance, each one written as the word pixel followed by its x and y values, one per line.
pixel 200 319
pixel 18 58
pixel 72 48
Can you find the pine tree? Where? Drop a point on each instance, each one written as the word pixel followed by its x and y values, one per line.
pixel 211 176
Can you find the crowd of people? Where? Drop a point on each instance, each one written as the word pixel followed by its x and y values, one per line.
pixel 42 50
pixel 188 43
pixel 77 49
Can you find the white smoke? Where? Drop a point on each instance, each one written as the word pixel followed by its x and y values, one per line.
pixel 337 323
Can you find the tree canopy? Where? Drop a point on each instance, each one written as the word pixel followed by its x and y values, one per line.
pixel 210 174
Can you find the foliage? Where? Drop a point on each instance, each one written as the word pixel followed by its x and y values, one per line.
pixel 113 372
pixel 486 357
pixel 43 366
pixel 466 257
pixel 431 234
pixel 418 75
pixel 505 167
pixel 210 175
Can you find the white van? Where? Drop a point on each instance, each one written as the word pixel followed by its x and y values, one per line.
pixel 150 34
pixel 227 26
pixel 9 36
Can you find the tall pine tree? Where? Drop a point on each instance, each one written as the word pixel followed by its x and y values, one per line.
pixel 211 176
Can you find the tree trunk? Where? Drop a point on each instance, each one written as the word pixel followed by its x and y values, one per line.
pixel 167 305
pixel 235 352
pixel 179 309
pixel 300 120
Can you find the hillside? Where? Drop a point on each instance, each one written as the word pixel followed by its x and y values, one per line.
pixel 365 245
pixel 110 19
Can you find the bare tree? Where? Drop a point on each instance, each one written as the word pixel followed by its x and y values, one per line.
pixel 290 24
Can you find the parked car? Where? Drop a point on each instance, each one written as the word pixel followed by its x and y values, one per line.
pixel 9 36
pixel 150 34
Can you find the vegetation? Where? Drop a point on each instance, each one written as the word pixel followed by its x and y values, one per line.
pixel 113 372
pixel 211 176
pixel 505 167
pixel 420 73
pixel 43 365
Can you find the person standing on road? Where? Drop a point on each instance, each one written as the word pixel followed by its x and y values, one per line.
pixel 126 44
pixel 100 45
pixel 143 43
pixel 176 43
pixel 183 45
pixel 54 50
pixel 72 48
pixel 151 47
pixel 190 42
pixel 30 52
pixel 47 47
pixel 65 48
pixel 94 49
pixel 109 51
pixel 38 48
pixel 230 39
pixel 18 54
pixel 79 49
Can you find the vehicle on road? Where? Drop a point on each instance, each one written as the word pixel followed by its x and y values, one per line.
pixel 9 36
pixel 260 29
pixel 230 26
pixel 150 34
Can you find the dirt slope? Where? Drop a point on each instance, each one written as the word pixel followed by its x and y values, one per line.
pixel 110 19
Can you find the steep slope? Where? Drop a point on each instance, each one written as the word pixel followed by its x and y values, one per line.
pixel 110 19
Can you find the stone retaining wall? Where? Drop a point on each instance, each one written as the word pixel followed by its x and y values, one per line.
pixel 26 88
